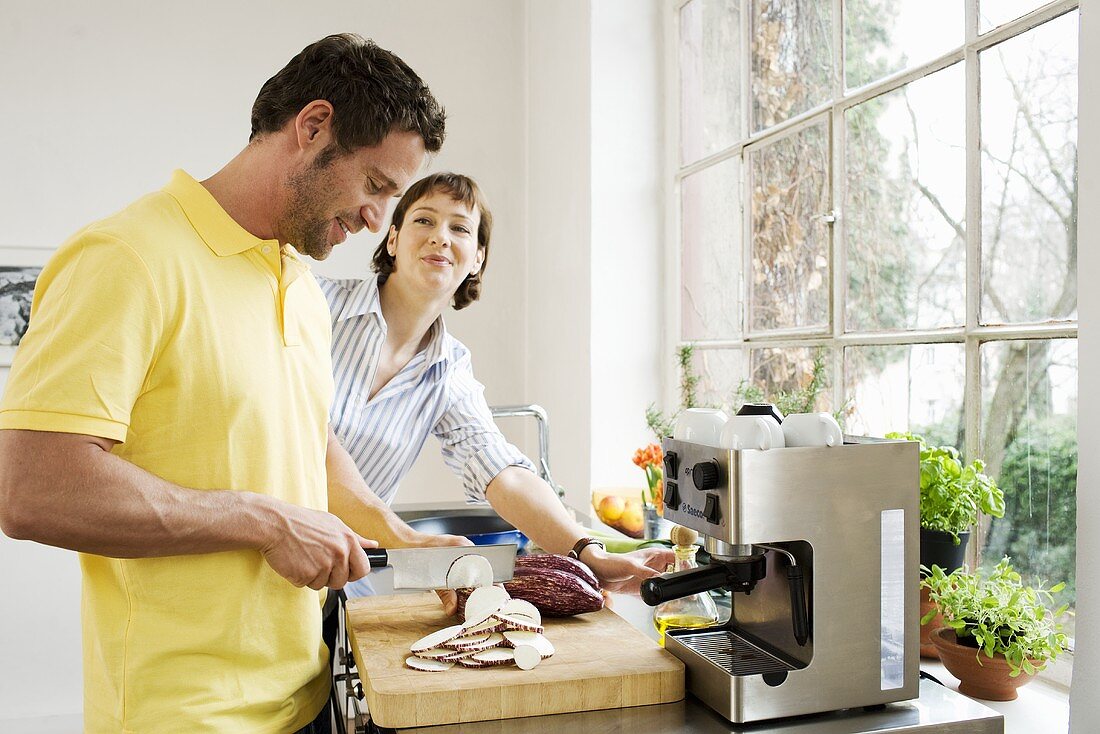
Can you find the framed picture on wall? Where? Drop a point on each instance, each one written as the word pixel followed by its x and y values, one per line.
pixel 19 269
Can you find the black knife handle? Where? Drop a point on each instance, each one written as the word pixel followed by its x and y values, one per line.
pixel 378 557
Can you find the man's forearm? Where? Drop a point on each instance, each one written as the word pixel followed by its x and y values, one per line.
pixel 69 491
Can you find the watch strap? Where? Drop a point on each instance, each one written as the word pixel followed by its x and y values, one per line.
pixel 580 545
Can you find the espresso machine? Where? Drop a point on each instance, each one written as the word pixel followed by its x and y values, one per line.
pixel 819 547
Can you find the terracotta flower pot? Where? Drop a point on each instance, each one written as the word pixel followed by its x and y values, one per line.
pixel 927 649
pixel 988 679
pixel 937 549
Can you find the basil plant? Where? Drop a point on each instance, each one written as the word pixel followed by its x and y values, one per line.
pixel 952 495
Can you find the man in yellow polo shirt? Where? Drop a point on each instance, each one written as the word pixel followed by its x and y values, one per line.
pixel 167 411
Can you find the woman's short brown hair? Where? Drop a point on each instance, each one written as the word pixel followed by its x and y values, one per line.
pixel 462 189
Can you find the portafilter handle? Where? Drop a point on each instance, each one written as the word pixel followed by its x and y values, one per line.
pixel 683 583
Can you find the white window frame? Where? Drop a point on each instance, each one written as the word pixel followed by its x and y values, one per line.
pixel 971 335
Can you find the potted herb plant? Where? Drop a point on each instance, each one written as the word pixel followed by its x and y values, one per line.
pixel 997 631
pixel 951 497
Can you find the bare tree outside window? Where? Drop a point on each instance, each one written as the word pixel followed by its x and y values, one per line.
pixel 983 358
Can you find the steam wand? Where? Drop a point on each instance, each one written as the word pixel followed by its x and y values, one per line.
pixel 799 613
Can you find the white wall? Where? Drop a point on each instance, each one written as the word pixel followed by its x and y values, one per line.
pixel 102 101
pixel 555 107
pixel 552 106
pixel 628 226
pixel 559 265
pixel 1084 703
pixel 120 108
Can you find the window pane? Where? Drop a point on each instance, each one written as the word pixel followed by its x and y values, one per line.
pixel 882 37
pixel 795 378
pixel 905 206
pixel 916 388
pixel 992 13
pixel 790 239
pixel 710 301
pixel 710 77
pixel 792 58
pixel 1029 182
pixel 1029 445
pixel 720 371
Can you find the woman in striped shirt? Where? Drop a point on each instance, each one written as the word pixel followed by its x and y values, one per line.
pixel 401 377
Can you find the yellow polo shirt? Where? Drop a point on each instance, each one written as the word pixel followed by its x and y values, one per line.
pixel 205 351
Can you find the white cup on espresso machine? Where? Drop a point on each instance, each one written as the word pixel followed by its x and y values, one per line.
pixel 700 425
pixel 812 429
pixel 748 432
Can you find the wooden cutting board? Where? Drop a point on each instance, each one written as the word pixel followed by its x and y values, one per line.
pixel 601 662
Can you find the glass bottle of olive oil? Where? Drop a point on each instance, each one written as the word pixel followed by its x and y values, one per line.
pixel 697 610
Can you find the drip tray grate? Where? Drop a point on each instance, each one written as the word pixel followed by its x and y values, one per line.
pixel 732 653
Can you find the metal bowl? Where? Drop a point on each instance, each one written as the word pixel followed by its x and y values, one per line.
pixel 481 529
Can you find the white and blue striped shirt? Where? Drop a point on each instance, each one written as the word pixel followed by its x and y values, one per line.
pixel 435 393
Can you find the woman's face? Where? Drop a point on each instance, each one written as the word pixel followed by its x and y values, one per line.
pixel 436 247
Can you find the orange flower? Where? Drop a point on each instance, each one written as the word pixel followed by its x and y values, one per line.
pixel 651 455
pixel 658 456
pixel 651 460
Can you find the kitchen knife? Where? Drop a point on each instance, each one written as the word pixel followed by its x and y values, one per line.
pixel 426 568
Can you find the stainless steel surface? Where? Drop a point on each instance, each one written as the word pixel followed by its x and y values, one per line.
pixel 426 568
pixel 415 510
pixel 732 652
pixel 539 414
pixel 937 711
pixel 722 549
pixel 849 516
pixel 790 556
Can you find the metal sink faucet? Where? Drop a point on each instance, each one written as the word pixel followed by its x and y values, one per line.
pixel 539 413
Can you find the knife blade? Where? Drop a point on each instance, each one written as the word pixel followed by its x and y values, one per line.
pixel 426 568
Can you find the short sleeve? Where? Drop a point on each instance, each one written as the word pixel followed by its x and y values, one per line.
pixel 95 324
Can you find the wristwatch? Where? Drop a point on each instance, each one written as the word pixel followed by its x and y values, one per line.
pixel 583 543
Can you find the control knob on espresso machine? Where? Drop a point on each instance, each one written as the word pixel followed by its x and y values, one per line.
pixel 706 474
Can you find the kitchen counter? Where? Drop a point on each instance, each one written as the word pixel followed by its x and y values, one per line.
pixel 938 709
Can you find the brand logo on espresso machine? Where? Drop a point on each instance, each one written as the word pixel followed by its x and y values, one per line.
pixel 693 511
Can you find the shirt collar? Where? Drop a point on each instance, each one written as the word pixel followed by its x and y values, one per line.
pixel 363 299
pixel 435 351
pixel 218 230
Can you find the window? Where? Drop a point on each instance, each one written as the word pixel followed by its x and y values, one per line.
pixel 883 193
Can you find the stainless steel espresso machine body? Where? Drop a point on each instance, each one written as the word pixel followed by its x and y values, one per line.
pixel 820 549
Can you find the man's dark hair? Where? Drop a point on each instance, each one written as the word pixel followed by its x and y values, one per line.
pixel 371 90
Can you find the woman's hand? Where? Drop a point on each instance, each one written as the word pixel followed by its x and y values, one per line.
pixel 422 540
pixel 625 572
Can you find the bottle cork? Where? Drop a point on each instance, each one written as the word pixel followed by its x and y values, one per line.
pixel 682 536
